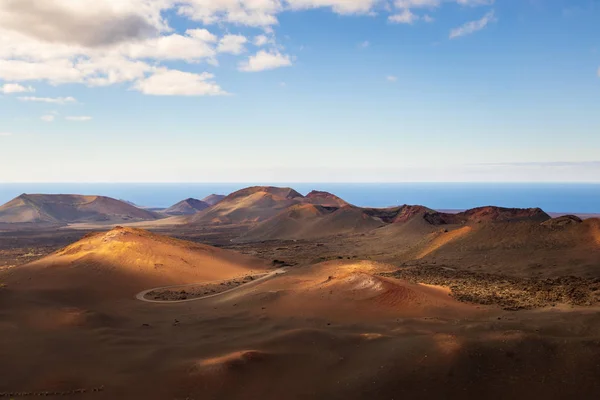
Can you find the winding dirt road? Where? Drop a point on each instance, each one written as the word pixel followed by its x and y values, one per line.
pixel 142 295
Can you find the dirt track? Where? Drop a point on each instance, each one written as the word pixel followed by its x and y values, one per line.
pixel 142 295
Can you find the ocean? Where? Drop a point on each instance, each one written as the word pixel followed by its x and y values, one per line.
pixel 552 197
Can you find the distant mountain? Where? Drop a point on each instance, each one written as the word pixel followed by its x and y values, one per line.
pixel 254 204
pixel 63 209
pixel 325 199
pixel 187 207
pixel 213 199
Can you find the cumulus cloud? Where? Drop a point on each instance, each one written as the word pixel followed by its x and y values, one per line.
pixel 48 118
pixel 51 100
pixel 79 119
pixel 232 44
pixel 107 42
pixel 178 83
pixel 9 88
pixel 265 60
pixel 473 26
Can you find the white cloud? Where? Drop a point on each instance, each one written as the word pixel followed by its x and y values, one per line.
pixel 195 45
pixel 51 100
pixel 79 119
pixel 261 40
pixel 104 71
pixel 232 44
pixel 364 45
pixel 473 26
pixel 265 60
pixel 404 17
pixel 9 88
pixel 391 78
pixel 256 13
pixel 201 34
pixel 47 118
pixel 177 83
pixel 5 134
pixel 108 42
pixel 427 18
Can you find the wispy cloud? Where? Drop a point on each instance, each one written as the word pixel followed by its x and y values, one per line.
pixel 48 118
pixel 405 17
pixel 391 78
pixel 5 134
pixel 9 88
pixel 79 119
pixel 51 100
pixel 473 26
pixel 364 45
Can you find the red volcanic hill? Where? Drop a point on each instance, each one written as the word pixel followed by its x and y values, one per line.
pixel 324 199
pixel 213 199
pixel 187 207
pixel 125 261
pixel 308 221
pixel 62 209
pixel 489 214
pixel 249 205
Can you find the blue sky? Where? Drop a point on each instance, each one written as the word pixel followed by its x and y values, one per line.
pixel 300 90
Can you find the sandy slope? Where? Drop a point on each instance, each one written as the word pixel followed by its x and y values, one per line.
pixel 335 330
pixel 124 261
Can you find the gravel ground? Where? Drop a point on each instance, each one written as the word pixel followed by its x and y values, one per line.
pixel 510 293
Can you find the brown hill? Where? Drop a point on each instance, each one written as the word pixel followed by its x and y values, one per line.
pixel 325 199
pixel 488 214
pixel 213 199
pixel 308 221
pixel 187 207
pixel 125 261
pixel 61 209
pixel 254 204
